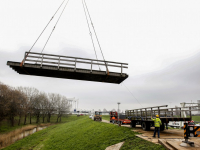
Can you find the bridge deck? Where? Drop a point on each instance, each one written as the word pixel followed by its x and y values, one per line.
pixel 67 72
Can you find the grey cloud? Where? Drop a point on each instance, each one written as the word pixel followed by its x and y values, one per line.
pixel 180 82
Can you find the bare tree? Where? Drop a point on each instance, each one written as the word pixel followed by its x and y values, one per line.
pixel 62 106
pixel 4 100
pixel 51 105
pixel 30 93
pixel 21 100
pixel 24 101
pixel 36 107
pixel 14 104
pixel 44 104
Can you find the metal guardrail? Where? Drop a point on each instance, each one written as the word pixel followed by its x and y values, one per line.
pixel 59 60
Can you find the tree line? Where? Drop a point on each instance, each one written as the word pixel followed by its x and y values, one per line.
pixel 24 103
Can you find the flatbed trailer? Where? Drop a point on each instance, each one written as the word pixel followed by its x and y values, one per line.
pixel 122 118
pixel 142 116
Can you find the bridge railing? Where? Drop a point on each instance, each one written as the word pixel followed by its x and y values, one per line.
pixel 68 61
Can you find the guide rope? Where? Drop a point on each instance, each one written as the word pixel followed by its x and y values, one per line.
pixel 42 31
pixel 90 32
pixel 132 94
pixel 96 36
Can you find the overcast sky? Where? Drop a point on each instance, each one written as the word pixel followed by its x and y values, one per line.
pixel 159 39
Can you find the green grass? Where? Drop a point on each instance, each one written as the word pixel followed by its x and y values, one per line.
pixel 140 144
pixel 106 117
pixel 196 118
pixel 82 133
pixel 6 127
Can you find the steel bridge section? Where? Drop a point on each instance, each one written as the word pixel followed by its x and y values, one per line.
pixel 65 67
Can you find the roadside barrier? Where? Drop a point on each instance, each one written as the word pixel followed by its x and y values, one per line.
pixel 190 131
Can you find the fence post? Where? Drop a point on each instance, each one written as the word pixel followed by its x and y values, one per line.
pixel 91 66
pixel 41 60
pixel 59 63
pixel 24 58
pixel 186 132
pixel 75 65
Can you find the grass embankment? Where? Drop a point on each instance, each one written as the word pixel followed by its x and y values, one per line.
pixel 6 127
pixel 82 133
pixel 196 118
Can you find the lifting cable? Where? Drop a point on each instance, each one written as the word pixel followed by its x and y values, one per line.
pixel 90 33
pixel 54 26
pixel 42 32
pixel 96 36
pixel 53 29
pixel 132 94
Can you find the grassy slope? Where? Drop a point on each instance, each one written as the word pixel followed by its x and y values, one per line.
pixel 82 134
pixel 196 118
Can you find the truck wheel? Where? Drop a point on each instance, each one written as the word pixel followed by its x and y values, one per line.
pixel 144 126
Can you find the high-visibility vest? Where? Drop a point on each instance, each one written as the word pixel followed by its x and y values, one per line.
pixel 157 122
pixel 113 117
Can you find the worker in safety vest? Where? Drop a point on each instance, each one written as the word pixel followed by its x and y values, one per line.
pixel 113 118
pixel 157 123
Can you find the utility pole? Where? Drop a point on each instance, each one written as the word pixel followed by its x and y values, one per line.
pixel 118 112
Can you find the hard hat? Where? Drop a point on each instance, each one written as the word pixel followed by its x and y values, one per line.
pixel 157 116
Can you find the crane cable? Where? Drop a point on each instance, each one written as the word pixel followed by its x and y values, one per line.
pixel 90 33
pixel 42 32
pixel 53 29
pixel 96 37
pixel 132 94
pixel 54 26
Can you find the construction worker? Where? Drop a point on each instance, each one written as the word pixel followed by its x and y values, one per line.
pixel 113 119
pixel 157 123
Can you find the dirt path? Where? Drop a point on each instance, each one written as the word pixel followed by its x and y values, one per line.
pixel 106 121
